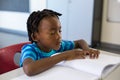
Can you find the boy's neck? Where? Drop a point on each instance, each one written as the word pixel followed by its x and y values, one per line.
pixel 44 49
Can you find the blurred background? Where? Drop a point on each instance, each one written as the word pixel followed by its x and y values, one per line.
pixel 96 21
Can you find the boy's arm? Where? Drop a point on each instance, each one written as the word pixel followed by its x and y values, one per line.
pixel 81 44
pixel 34 67
pixel 31 67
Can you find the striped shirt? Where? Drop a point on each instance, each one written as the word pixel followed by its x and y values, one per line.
pixel 32 51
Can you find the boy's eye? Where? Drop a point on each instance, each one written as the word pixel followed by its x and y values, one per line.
pixel 52 33
pixel 60 31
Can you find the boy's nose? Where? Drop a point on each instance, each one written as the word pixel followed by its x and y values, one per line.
pixel 58 35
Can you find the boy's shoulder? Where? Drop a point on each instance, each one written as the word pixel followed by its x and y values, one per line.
pixel 67 45
pixel 30 45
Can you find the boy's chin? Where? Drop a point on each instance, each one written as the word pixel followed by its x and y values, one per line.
pixel 56 48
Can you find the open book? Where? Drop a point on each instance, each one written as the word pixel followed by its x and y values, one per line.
pixel 98 67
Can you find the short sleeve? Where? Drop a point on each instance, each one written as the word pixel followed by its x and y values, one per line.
pixel 27 52
pixel 67 45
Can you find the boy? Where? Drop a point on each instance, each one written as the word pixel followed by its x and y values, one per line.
pixel 44 31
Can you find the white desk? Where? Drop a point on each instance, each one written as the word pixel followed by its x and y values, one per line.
pixel 55 73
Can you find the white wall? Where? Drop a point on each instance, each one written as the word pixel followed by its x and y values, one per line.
pixel 110 30
pixel 9 39
pixel 17 20
pixel 13 20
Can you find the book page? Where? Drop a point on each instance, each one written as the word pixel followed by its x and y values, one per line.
pixel 94 66
pixel 58 73
pixel 112 75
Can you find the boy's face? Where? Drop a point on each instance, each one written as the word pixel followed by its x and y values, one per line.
pixel 49 35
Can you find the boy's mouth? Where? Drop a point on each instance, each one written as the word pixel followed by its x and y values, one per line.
pixel 58 43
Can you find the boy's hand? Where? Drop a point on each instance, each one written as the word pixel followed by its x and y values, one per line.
pixel 78 54
pixel 74 54
pixel 92 53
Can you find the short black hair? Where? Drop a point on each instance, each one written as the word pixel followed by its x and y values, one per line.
pixel 35 18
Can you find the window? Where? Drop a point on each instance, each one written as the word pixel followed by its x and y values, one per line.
pixel 113 14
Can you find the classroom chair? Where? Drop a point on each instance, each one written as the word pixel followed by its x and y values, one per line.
pixel 7 54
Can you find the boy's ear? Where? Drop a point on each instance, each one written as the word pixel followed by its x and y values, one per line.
pixel 34 37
